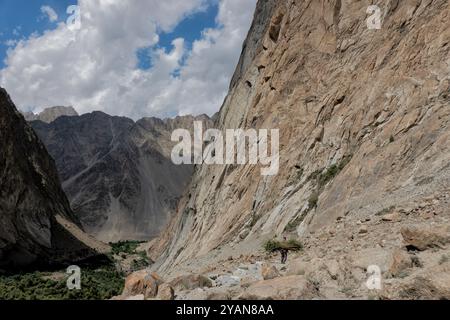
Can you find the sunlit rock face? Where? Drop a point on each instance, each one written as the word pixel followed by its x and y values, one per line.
pixel 363 116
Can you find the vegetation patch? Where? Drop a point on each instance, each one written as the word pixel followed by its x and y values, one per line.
pixel 293 225
pixel 96 284
pixel 138 260
pixel 127 247
pixel 255 218
pixel 323 177
pixel 332 172
pixel 313 200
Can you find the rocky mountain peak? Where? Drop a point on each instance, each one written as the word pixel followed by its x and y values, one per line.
pixel 51 114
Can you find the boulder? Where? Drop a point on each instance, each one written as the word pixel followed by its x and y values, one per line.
pixel 190 282
pixel 401 261
pixel 165 292
pixel 431 284
pixel 304 268
pixel 282 288
pixel 218 294
pixel 142 282
pixel 228 281
pixel 151 289
pixel 198 294
pixel 392 217
pixel 269 272
pixel 425 237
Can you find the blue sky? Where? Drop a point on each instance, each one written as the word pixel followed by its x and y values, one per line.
pixel 189 29
pixel 21 18
pixel 131 58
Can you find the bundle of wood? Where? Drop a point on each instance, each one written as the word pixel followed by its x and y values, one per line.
pixel 291 245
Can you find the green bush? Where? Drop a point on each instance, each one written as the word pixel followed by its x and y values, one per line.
pixel 323 177
pixel 293 224
pixel 128 247
pixel 313 200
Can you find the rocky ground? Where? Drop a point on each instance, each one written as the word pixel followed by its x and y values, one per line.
pixel 409 245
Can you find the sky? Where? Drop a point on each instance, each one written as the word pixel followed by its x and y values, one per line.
pixel 129 58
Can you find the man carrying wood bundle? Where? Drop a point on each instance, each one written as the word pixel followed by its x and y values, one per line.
pixel 284 253
pixel 284 247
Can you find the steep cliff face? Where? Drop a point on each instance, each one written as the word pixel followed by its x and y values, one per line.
pixel 363 117
pixel 118 174
pixel 37 225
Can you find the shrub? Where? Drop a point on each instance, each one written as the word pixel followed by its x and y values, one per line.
pixel 293 224
pixel 313 200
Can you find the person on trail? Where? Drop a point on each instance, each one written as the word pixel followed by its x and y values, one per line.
pixel 284 253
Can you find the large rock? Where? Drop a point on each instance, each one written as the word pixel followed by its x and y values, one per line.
pixel 227 280
pixel 269 272
pixel 303 268
pixel 219 294
pixel 425 237
pixel 142 282
pixel 165 292
pixel 37 225
pixel 283 288
pixel 430 284
pixel 401 261
pixel 191 282
pixel 392 217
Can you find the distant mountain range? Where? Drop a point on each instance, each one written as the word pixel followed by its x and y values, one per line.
pixel 117 173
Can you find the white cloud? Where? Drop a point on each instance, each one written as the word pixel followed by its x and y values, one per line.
pixel 16 31
pixel 50 13
pixel 94 68
pixel 10 42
